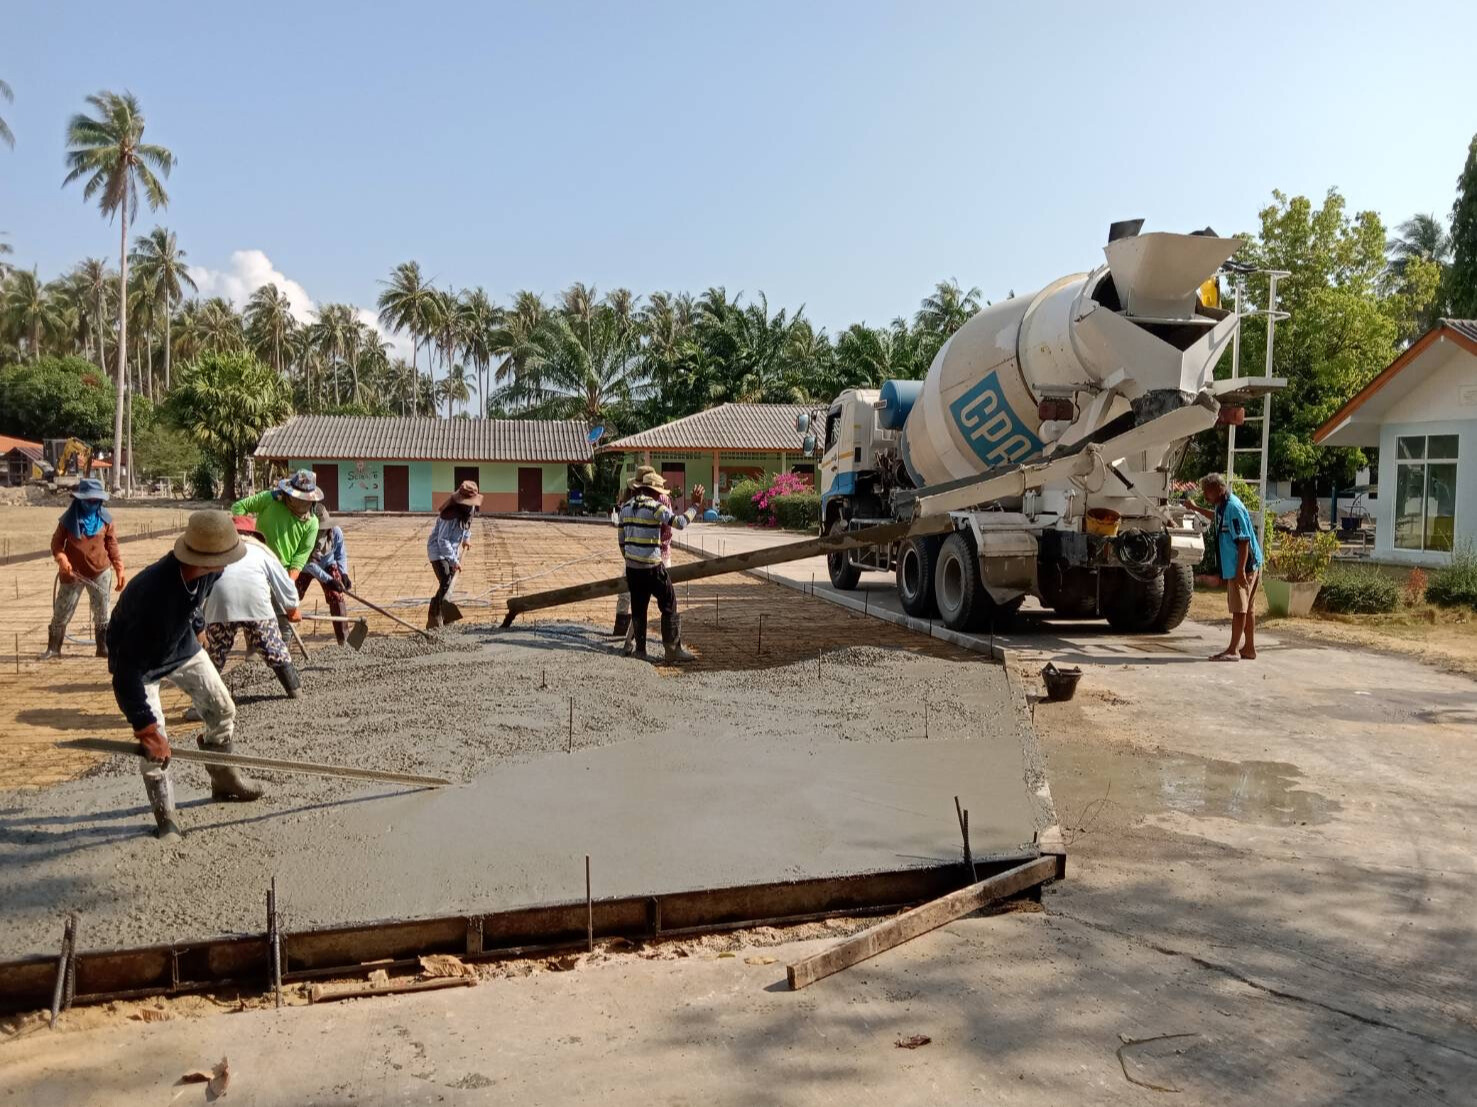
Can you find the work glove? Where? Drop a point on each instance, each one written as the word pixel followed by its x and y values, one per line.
pixel 293 574
pixel 344 583
pixel 152 744
pixel 64 569
pixel 294 615
pixel 119 577
pixel 334 582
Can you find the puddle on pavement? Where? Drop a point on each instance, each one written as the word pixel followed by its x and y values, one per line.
pixel 1261 792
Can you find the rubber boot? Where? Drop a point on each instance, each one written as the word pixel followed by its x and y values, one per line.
pixel 291 683
pixel 53 643
pixel 226 781
pixel 433 617
pixel 100 636
pixel 672 640
pixel 161 802
pixel 638 638
pixel 622 627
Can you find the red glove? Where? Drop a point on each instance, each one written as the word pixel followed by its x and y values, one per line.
pixel 293 574
pixel 294 615
pixel 64 569
pixel 152 744
pixel 335 581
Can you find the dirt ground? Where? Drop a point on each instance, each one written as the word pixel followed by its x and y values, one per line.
pixel 28 529
pixel 1271 897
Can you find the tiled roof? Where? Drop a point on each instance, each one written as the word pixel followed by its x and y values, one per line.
pixel 1467 328
pixel 9 442
pixel 32 452
pixel 313 437
pixel 725 427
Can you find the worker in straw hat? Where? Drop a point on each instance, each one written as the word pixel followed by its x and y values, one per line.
pixel 642 518
pixel 623 601
pixel 154 636
pixel 248 599
pixel 87 557
pixel 449 539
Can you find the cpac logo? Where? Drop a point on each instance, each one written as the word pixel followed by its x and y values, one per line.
pixel 990 427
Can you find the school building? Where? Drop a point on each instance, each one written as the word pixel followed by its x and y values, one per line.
pixel 369 463
pixel 718 448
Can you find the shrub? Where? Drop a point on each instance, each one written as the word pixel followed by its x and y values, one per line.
pixel 202 482
pixel 1297 558
pixel 1455 585
pixel 797 510
pixel 1415 587
pixel 740 500
pixel 781 484
pixel 1362 591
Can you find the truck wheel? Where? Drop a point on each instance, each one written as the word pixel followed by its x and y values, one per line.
pixel 844 575
pixel 1130 605
pixel 916 561
pixel 957 587
pixel 1179 587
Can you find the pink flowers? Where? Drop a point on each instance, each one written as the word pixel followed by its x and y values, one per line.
pixel 783 484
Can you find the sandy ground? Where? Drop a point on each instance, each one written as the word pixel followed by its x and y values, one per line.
pixel 1274 860
pixel 761 791
pixel 28 529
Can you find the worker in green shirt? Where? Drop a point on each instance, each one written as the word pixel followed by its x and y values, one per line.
pixel 285 519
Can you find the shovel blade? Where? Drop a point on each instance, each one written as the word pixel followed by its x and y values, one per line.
pixel 357 633
pixel 450 613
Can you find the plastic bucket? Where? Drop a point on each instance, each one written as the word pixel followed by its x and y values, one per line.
pixel 1061 684
pixel 1102 521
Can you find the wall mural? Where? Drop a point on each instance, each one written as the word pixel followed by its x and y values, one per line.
pixel 362 478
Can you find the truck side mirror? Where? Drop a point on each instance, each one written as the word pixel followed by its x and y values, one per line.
pixel 802 423
pixel 810 445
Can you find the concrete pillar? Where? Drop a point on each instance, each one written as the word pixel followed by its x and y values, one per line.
pixel 713 488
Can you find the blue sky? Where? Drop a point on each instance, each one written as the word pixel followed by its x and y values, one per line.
pixel 843 156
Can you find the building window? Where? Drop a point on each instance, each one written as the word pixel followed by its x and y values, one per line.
pixel 1425 492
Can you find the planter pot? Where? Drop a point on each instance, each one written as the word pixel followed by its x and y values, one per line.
pixel 1290 597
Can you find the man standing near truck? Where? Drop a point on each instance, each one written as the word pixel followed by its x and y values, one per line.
pixel 642 518
pixel 1240 555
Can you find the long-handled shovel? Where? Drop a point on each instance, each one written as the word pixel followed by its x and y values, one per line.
pixel 395 618
pixel 357 632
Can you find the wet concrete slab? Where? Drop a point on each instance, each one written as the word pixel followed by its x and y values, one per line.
pixel 669 781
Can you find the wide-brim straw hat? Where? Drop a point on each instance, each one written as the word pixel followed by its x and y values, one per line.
pixel 325 520
pixel 210 541
pixel 302 485
pixel 89 489
pixel 652 481
pixel 467 493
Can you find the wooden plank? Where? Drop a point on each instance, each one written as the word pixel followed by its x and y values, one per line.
pixel 324 993
pixel 882 535
pixel 920 920
pixel 266 764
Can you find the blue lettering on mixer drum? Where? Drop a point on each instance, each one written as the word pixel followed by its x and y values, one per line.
pixel 990 427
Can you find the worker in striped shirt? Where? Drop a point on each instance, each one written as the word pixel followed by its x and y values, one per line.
pixel 642 518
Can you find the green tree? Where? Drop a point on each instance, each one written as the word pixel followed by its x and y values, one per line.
pixel 161 267
pixel 108 151
pixel 400 307
pixel 30 311
pixel 1338 334
pixel 224 401
pixel 1461 285
pixel 269 321
pixel 56 397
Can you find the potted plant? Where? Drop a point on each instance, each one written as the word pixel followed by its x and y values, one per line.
pixel 1297 566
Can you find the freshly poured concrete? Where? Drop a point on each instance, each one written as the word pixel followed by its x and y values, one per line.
pixel 672 781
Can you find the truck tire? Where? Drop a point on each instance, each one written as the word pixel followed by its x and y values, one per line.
pixel 1179 587
pixel 916 561
pixel 1130 605
pixel 844 575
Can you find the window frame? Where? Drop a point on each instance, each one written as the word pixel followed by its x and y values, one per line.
pixel 1425 461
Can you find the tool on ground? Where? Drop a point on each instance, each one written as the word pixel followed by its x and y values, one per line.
pixel 266 764
pixel 357 633
pixel 395 618
pixel 450 613
pixel 963 816
pixel 274 941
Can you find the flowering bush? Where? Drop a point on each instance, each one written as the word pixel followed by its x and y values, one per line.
pixel 782 484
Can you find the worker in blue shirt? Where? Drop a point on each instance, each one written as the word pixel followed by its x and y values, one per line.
pixel 1240 557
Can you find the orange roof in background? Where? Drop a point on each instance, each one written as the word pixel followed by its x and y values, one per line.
pixel 9 442
pixel 102 464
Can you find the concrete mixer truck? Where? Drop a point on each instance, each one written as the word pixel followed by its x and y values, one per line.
pixel 1036 457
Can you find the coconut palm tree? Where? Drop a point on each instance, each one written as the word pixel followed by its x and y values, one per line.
pixel 219 327
pixel 331 337
pixel 400 305
pixel 93 275
pixel 269 321
pixel 584 378
pixel 5 133
pixel 108 152
pixel 1420 236
pixel 456 387
pixel 480 318
pixel 947 309
pixel 161 265
pixel 31 311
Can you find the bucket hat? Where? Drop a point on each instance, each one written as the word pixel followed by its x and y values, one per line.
pixel 302 485
pixel 325 520
pixel 210 541
pixel 89 489
pixel 467 493
pixel 651 481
